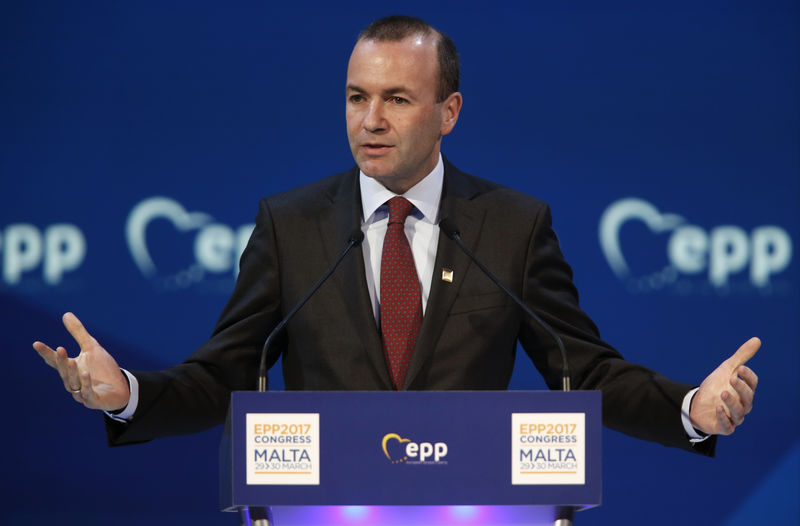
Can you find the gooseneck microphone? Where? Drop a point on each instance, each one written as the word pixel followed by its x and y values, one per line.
pixel 355 239
pixel 453 233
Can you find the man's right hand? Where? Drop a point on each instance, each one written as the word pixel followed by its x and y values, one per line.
pixel 93 377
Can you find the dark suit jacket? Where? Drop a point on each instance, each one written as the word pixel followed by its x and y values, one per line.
pixel 468 336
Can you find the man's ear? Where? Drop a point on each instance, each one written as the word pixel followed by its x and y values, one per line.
pixel 451 107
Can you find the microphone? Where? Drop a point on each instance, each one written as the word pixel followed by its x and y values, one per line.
pixel 453 233
pixel 355 239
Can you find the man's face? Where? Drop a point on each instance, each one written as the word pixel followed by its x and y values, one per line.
pixel 394 123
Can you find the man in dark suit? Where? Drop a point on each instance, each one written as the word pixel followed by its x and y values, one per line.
pixel 456 331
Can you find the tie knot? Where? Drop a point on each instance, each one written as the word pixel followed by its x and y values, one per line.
pixel 399 208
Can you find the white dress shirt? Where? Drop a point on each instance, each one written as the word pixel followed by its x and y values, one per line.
pixel 421 229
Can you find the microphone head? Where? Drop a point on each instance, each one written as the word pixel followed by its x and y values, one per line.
pixel 356 236
pixel 449 229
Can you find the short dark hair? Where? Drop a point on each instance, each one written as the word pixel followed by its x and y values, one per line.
pixel 399 27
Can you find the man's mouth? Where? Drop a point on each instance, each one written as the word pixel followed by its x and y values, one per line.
pixel 376 147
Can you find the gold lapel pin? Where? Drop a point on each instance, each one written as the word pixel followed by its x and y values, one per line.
pixel 447 274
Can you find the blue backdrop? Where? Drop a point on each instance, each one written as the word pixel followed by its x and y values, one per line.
pixel 136 139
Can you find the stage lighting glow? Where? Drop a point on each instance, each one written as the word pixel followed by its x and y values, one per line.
pixel 354 513
pixel 463 514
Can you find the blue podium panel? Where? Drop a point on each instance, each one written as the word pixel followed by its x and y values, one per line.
pixel 412 448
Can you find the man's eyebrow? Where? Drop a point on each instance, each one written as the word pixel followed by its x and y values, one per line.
pixel 388 91
pixel 396 90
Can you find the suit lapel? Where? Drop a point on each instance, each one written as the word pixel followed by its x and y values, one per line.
pixel 335 224
pixel 457 207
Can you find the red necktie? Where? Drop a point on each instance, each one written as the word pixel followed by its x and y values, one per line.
pixel 401 298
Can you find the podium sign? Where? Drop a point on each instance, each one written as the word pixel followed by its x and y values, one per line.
pixel 415 448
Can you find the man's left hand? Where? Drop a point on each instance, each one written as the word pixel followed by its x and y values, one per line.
pixel 726 395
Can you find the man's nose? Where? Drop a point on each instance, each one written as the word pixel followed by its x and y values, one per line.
pixel 375 120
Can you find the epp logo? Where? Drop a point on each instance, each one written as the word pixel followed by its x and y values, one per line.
pixel 412 452
pixel 217 247
pixel 721 251
pixel 58 248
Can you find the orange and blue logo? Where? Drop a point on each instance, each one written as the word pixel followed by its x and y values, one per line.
pixel 404 450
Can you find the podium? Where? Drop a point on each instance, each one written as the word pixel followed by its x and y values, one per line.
pixel 412 457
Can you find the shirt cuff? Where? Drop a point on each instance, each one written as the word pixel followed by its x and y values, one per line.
pixel 694 435
pixel 127 413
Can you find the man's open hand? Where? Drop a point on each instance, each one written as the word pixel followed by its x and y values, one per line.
pixel 726 395
pixel 93 377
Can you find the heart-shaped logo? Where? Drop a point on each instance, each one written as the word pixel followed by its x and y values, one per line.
pixel 157 208
pixel 388 444
pixel 625 210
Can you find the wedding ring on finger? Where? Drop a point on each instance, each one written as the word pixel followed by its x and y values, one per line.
pixel 75 391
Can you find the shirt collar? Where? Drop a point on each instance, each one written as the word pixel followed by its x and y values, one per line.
pixel 425 195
